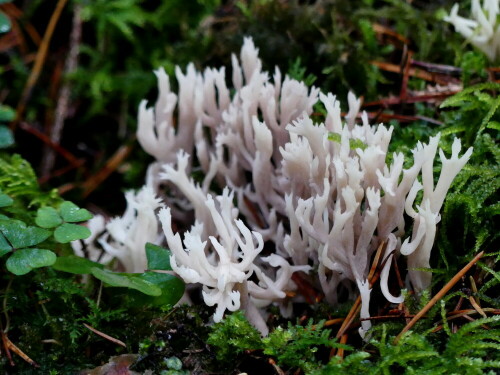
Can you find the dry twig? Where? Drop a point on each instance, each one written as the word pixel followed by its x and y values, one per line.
pixel 438 296
pixel 107 337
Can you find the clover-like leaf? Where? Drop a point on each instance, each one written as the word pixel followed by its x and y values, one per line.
pixel 24 260
pixel 71 232
pixel 20 235
pixel 5 200
pixel 71 213
pixel 75 264
pixel 5 24
pixel 4 246
pixel 126 280
pixel 48 217
pixel 7 114
pixel 158 257
pixel 6 137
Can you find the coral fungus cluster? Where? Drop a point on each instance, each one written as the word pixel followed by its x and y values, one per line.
pixel 315 192
pixel 483 30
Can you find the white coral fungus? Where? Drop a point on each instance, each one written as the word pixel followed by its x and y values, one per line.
pixel 483 30
pixel 299 186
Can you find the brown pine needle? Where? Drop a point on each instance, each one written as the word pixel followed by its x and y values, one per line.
pixel 111 165
pixel 439 295
pixel 39 61
pixel 332 322
pixel 10 346
pixel 107 337
pixel 476 306
pixel 340 352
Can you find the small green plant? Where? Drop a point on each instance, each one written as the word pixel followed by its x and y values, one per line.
pixel 233 336
pixel 18 239
pixel 5 24
pixel 295 347
pixel 174 366
pixel 62 221
pixel 472 207
pixel 476 109
pixel 29 246
pixel 471 350
pixel 7 114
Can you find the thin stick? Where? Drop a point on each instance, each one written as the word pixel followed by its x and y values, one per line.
pixel 111 165
pixel 343 340
pixel 331 322
pixel 439 295
pixel 107 337
pixel 39 61
pixel 64 94
pixel 477 307
pixel 45 139
pixel 10 346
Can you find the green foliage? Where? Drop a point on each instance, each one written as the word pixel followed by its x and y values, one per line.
pixel 471 350
pixel 471 207
pixel 75 264
pixel 174 366
pixel 296 346
pixel 163 289
pixel 473 64
pixel 233 336
pixel 50 304
pixel 131 281
pixel 6 137
pixel 5 24
pixel 158 257
pixel 24 260
pixel 355 363
pixel 5 200
pixel 18 238
pixel 477 109
pixel 62 220
pixel 18 180
pixel 331 43
pixel 149 32
pixel 298 72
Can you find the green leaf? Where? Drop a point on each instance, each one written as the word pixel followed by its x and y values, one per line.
pixel 4 246
pixel 6 137
pixel 493 108
pixel 5 24
pixel 75 264
pixel 158 257
pixel 7 114
pixel 24 260
pixel 493 125
pixel 19 235
pixel 126 280
pixel 71 232
pixel 71 213
pixel 5 200
pixel 172 288
pixel 48 217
